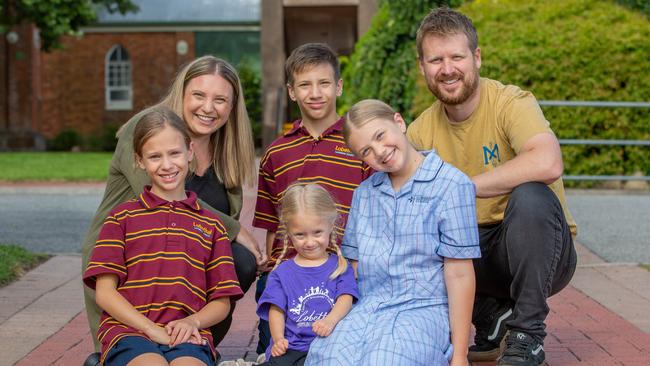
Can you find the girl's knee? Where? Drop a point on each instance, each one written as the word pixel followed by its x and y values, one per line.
pixel 148 359
pixel 187 361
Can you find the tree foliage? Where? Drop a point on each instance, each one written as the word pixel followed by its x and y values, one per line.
pixel 251 81
pixel 55 18
pixel 384 58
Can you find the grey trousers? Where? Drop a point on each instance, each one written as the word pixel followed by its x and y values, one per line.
pixel 526 258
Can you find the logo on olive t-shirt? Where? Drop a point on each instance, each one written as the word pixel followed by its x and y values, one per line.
pixel 491 154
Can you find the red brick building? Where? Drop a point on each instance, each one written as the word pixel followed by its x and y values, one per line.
pixel 117 67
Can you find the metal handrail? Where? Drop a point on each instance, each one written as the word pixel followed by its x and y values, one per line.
pixel 593 103
pixel 605 142
pixel 600 104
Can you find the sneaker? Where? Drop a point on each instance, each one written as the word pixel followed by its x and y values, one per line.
pixel 522 350
pixel 489 341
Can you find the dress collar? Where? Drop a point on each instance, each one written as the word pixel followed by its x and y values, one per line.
pixel 427 171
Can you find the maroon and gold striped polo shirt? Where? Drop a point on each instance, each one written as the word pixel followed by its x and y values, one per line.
pixel 171 258
pixel 299 157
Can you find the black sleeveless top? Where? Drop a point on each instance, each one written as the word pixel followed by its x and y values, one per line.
pixel 209 189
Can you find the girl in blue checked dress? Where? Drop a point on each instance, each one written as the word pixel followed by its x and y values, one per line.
pixel 306 296
pixel 411 234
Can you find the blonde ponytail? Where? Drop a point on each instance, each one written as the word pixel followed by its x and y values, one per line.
pixel 285 249
pixel 342 262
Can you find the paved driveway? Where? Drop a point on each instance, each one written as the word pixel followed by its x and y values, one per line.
pixel 54 219
pixel 614 224
pixel 48 219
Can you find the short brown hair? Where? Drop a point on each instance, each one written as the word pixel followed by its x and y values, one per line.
pixel 444 22
pixel 309 55
pixel 153 122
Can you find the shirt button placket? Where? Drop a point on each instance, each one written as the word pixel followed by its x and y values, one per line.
pixel 171 223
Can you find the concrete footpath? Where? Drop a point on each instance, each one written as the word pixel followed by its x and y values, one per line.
pixel 602 318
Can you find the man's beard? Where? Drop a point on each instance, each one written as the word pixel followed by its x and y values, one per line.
pixel 470 84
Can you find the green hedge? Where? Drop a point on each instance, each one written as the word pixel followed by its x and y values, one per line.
pixel 575 50
pixel 559 50
pixel 643 5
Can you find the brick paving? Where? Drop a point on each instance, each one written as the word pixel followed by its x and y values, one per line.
pixel 73 343
pixel 581 330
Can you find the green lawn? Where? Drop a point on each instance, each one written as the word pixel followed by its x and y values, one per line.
pixel 54 166
pixel 646 266
pixel 15 261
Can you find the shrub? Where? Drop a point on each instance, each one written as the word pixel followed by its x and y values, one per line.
pixel 104 140
pixel 643 5
pixel 66 140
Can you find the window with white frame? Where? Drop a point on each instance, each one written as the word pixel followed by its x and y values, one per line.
pixel 117 75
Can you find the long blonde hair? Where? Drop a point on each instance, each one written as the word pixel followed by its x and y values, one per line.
pixel 316 200
pixel 232 144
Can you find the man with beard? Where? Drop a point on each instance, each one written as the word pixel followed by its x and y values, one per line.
pixel 498 136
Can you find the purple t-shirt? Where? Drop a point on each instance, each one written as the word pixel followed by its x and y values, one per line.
pixel 305 294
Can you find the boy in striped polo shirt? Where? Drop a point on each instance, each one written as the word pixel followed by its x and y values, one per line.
pixel 313 151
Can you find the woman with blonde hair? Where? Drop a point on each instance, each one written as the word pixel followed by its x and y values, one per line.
pixel 208 96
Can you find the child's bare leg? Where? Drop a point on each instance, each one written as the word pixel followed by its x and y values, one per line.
pixel 187 361
pixel 148 359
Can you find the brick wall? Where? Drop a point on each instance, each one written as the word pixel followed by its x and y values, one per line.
pixel 72 79
pixel 18 89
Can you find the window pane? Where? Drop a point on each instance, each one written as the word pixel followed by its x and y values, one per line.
pixel 117 95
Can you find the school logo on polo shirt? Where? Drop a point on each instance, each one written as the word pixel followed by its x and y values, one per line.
pixel 342 150
pixel 207 232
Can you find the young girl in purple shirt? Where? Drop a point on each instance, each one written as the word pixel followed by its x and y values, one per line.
pixel 306 296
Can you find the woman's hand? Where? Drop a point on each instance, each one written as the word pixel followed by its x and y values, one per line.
pixel 248 241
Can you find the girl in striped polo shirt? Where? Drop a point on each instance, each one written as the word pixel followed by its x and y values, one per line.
pixel 162 267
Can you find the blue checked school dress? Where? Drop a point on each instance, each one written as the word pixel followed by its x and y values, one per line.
pixel 400 240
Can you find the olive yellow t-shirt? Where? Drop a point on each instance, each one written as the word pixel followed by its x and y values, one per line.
pixel 505 119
